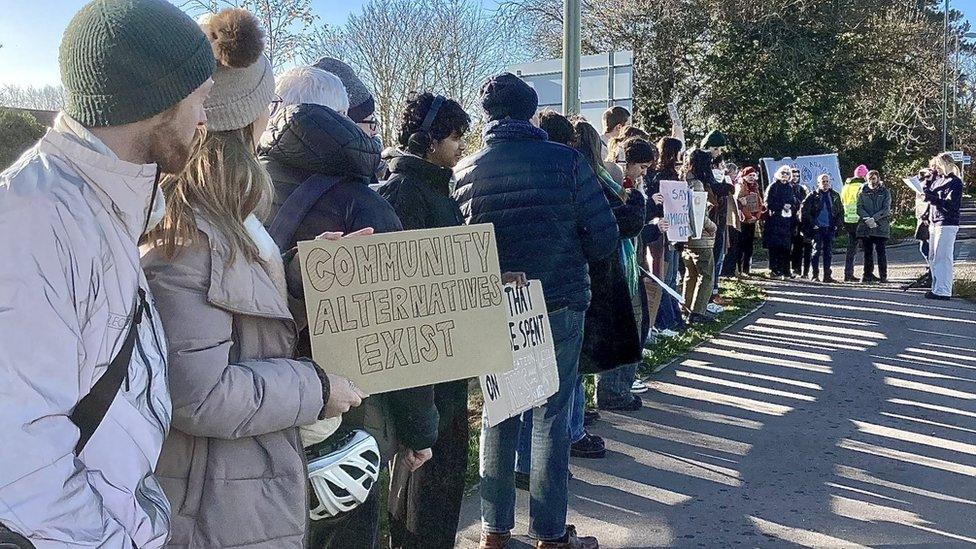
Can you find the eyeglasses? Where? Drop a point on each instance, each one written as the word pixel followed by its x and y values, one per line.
pixel 371 124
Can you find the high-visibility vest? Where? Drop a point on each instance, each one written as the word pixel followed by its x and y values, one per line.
pixel 848 197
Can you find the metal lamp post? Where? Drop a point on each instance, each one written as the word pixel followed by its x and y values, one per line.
pixel 572 44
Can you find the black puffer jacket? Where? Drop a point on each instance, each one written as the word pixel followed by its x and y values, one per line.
pixel 547 206
pixel 420 192
pixel 307 140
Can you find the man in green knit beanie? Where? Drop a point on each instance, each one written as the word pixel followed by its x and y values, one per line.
pixel 84 400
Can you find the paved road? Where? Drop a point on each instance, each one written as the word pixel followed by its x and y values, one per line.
pixel 833 416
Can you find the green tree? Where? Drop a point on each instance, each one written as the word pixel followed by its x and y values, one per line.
pixel 18 131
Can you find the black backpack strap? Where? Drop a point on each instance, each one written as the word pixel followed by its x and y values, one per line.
pixel 291 214
pixel 91 410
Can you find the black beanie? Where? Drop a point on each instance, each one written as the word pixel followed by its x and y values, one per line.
pixel 638 151
pixel 508 96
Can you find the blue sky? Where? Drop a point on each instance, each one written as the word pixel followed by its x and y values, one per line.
pixel 30 31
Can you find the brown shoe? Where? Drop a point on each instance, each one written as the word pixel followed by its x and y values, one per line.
pixel 570 541
pixel 494 541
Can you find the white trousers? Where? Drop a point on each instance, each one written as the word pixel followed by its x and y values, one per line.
pixel 942 241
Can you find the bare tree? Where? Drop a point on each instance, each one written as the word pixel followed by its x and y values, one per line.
pixel 286 23
pixel 47 98
pixel 402 46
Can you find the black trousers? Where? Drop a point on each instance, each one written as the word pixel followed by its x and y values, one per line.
pixel 800 255
pixel 852 242
pixel 730 266
pixel 779 261
pixel 425 504
pixel 871 245
pixel 747 241
pixel 358 528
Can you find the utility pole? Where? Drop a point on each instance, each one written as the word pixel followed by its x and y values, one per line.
pixel 572 44
pixel 945 79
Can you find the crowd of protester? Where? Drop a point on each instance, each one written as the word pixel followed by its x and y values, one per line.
pixel 151 235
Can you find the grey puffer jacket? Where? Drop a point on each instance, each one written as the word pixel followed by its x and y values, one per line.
pixel 874 203
pixel 233 464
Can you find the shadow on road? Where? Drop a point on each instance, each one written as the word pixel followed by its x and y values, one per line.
pixel 834 416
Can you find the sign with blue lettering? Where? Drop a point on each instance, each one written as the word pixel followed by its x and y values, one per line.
pixel 534 376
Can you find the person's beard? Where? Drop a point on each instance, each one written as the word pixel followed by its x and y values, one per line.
pixel 167 149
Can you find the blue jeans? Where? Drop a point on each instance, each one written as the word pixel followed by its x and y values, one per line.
pixel 823 249
pixel 613 386
pixel 523 455
pixel 549 485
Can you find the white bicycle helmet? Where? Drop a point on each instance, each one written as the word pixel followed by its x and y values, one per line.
pixel 343 474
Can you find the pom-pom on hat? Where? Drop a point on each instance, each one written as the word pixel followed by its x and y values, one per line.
pixel 243 83
pixel 861 171
pixel 508 96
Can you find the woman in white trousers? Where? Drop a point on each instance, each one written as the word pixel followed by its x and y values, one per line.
pixel 943 192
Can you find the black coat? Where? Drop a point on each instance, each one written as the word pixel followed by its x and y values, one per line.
pixel 778 230
pixel 420 192
pixel 811 207
pixel 611 335
pixel 546 204
pixel 307 140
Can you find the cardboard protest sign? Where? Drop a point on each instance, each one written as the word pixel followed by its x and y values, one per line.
pixel 533 376
pixel 677 209
pixel 673 114
pixel 810 169
pixel 914 183
pixel 699 204
pixel 397 310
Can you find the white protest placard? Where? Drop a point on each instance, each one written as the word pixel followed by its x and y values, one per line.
pixel 673 114
pixel 533 377
pixel 913 183
pixel 699 203
pixel 810 169
pixel 396 310
pixel 677 209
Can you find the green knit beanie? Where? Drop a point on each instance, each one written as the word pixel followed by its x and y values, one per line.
pixel 715 139
pixel 123 61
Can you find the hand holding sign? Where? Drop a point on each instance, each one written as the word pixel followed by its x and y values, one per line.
pixel 398 310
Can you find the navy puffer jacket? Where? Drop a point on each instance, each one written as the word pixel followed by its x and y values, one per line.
pixel 546 204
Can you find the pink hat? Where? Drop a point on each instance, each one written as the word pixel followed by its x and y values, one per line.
pixel 861 171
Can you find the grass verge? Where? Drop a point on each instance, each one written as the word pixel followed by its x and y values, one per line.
pixel 745 297
pixel 965 289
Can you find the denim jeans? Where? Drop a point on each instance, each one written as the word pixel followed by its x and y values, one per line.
pixel 549 485
pixel 577 408
pixel 613 386
pixel 823 249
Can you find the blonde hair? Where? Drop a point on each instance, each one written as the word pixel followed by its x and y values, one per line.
pixel 783 169
pixel 223 181
pixel 944 164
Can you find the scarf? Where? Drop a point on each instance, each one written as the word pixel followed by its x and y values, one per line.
pixel 628 249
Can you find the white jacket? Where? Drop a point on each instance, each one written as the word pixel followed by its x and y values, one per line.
pixel 71 214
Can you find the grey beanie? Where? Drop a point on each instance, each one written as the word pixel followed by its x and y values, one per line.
pixel 361 104
pixel 243 83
